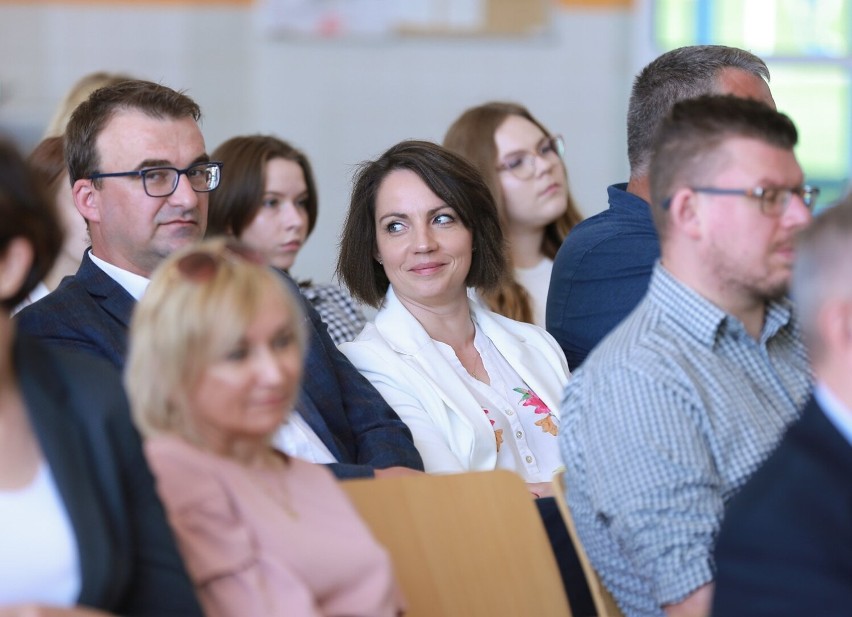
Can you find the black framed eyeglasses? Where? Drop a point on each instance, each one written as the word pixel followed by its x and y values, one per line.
pixel 163 181
pixel 522 164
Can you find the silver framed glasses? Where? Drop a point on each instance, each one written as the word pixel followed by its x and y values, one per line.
pixel 163 181
pixel 774 201
pixel 522 164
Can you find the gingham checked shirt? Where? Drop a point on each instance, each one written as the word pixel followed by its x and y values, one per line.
pixel 662 424
pixel 338 310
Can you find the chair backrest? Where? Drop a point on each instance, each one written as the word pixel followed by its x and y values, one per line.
pixel 465 545
pixel 604 602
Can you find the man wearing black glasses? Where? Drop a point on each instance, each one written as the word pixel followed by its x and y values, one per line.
pixel 140 176
pixel 670 415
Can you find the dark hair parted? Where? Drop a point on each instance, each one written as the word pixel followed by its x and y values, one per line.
pixel 689 138
pixel 452 179
pixel 26 211
pixel 233 206
pixel 682 73
pixel 472 136
pixel 92 115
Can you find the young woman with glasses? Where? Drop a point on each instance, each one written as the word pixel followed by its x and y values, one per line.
pixel 521 161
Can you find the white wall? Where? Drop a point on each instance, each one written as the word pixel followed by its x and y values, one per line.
pixel 340 101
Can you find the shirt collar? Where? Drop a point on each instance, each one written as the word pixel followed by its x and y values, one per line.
pixel 619 198
pixel 707 322
pixel 134 284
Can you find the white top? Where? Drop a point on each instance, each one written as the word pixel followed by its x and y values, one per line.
pixel 39 292
pixel 297 438
pixel 525 430
pixel 134 284
pixel 39 561
pixel 406 366
pixel 536 281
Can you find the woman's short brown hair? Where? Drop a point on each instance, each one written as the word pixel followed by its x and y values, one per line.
pixel 451 178
pixel 235 203
pixel 26 211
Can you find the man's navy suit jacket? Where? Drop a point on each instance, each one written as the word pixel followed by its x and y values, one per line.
pixel 91 312
pixel 785 547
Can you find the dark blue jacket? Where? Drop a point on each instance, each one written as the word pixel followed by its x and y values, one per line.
pixel 129 561
pixel 785 547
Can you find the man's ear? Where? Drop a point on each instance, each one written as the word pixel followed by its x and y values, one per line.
pixel 87 199
pixel 684 213
pixel 15 264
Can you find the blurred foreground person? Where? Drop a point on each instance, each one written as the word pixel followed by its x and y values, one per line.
pixel 84 533
pixel 214 368
pixel 785 545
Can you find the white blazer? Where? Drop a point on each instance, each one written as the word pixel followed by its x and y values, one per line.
pixel 405 365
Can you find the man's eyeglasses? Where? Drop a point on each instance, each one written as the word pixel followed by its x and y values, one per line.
pixel 522 164
pixel 163 181
pixel 773 201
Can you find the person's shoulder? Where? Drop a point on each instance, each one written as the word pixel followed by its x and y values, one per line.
pixel 55 304
pixel 520 329
pixel 609 240
pixel 185 473
pixel 640 345
pixel 311 473
pixel 81 373
pixel 787 484
pixel 368 347
pixel 325 290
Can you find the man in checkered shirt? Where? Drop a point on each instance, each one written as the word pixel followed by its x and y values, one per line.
pixel 679 405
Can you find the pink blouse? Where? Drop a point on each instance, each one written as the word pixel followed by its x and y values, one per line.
pixel 284 544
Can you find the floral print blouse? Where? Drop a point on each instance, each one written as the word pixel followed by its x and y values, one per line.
pixel 525 430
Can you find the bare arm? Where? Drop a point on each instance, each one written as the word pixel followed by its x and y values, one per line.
pixel 696 604
pixel 394 472
pixel 540 489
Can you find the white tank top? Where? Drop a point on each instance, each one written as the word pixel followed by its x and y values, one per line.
pixel 39 561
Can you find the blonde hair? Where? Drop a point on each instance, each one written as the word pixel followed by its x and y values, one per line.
pixel 185 320
pixel 78 93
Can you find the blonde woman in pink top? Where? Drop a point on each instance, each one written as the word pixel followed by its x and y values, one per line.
pixel 214 368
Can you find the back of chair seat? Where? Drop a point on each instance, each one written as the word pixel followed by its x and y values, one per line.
pixel 465 545
pixel 604 602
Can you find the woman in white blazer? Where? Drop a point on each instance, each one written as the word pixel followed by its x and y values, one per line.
pixel 479 391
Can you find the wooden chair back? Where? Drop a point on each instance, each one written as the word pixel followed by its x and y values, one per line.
pixel 464 545
pixel 604 602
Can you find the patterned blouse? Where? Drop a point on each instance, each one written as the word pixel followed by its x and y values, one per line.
pixel 525 430
pixel 338 310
